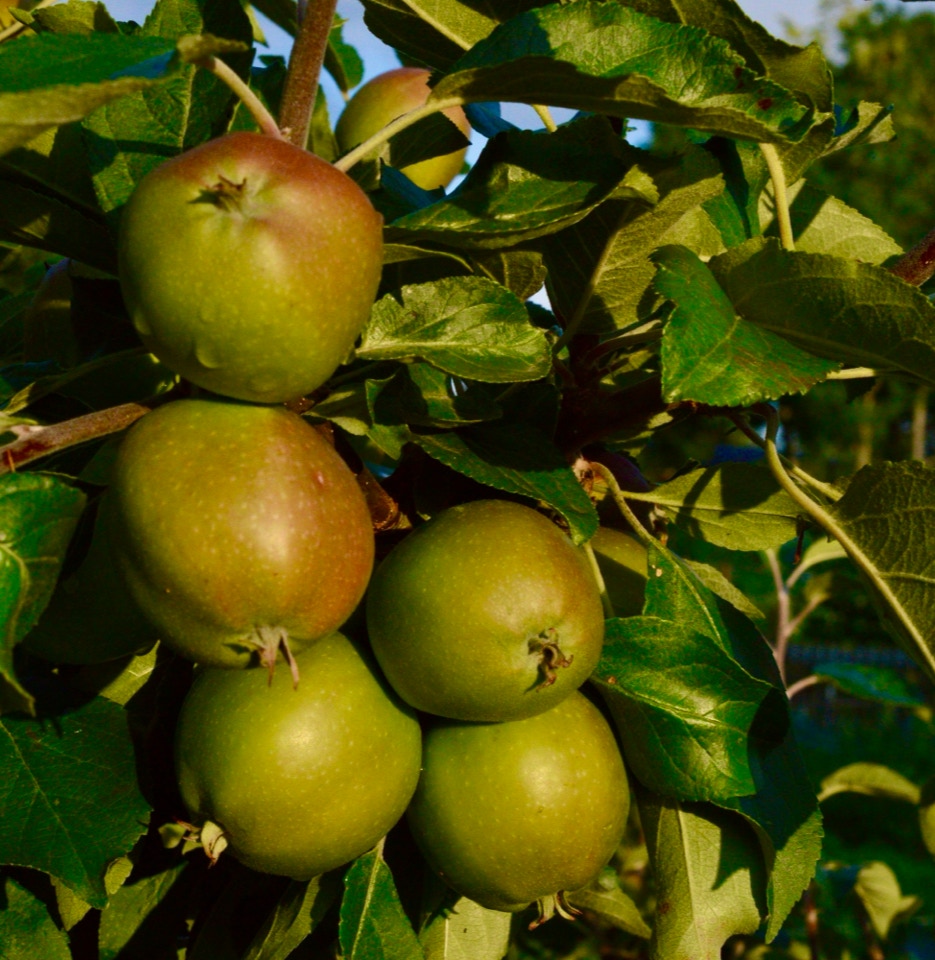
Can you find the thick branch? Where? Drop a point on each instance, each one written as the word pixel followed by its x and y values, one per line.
pixel 305 62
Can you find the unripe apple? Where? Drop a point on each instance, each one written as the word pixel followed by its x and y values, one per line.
pixel 388 96
pixel 249 266
pixel 622 560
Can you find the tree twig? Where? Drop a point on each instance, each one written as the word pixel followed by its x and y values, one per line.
pixel 810 681
pixel 34 443
pixel 918 264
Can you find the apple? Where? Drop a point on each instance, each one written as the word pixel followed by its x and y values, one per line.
pixel 388 96
pixel 249 266
pixel 622 561
pixel 488 612
pixel 238 530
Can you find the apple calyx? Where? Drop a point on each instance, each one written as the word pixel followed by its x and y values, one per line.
pixel 550 656
pixel 552 904
pixel 268 642
pixel 226 194
pixel 209 836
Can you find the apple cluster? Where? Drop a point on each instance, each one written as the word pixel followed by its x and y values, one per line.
pixel 234 534
pixel 489 619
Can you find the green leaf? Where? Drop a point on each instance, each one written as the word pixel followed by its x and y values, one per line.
pixel 72 909
pixel 710 877
pixel 432 136
pixel 684 708
pixel 610 59
pixel 600 268
pixel 298 911
pixel 718 584
pixel 803 69
pixel 32 218
pixel 27 931
pixel 783 811
pixel 888 514
pixel 51 79
pixel 712 355
pixel 867 123
pixel 466 931
pixel 38 515
pixel 353 407
pixel 47 61
pixel 281 12
pixel 342 61
pixel 735 505
pixel 604 898
pixel 519 189
pixel 77 16
pixel 126 376
pixel 131 675
pixel 373 925
pixel 846 311
pixel 219 934
pixel 872 779
pixel 820 550
pixel 466 326
pixel 55 164
pixel 878 890
pixel 148 910
pixel 68 786
pixel 823 224
pixel 190 108
pixel 433 33
pixel 518 459
pixel 871 683
pixel 521 271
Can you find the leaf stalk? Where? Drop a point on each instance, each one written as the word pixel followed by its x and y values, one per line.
pixel 264 119
pixel 778 176
pixel 392 128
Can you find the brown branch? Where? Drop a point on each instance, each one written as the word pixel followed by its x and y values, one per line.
pixel 34 443
pixel 918 264
pixel 305 63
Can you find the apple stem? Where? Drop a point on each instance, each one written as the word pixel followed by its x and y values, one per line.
pixel 305 63
pixel 394 127
pixel 264 119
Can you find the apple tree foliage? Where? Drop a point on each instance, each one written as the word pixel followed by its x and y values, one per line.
pixel 704 285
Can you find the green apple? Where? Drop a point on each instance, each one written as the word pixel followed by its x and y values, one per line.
pixel 509 813
pixel 297 782
pixel 487 612
pixel 249 266
pixel 388 96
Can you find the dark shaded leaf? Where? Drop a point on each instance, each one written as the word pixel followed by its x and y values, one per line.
pixel 68 788
pixel 38 515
